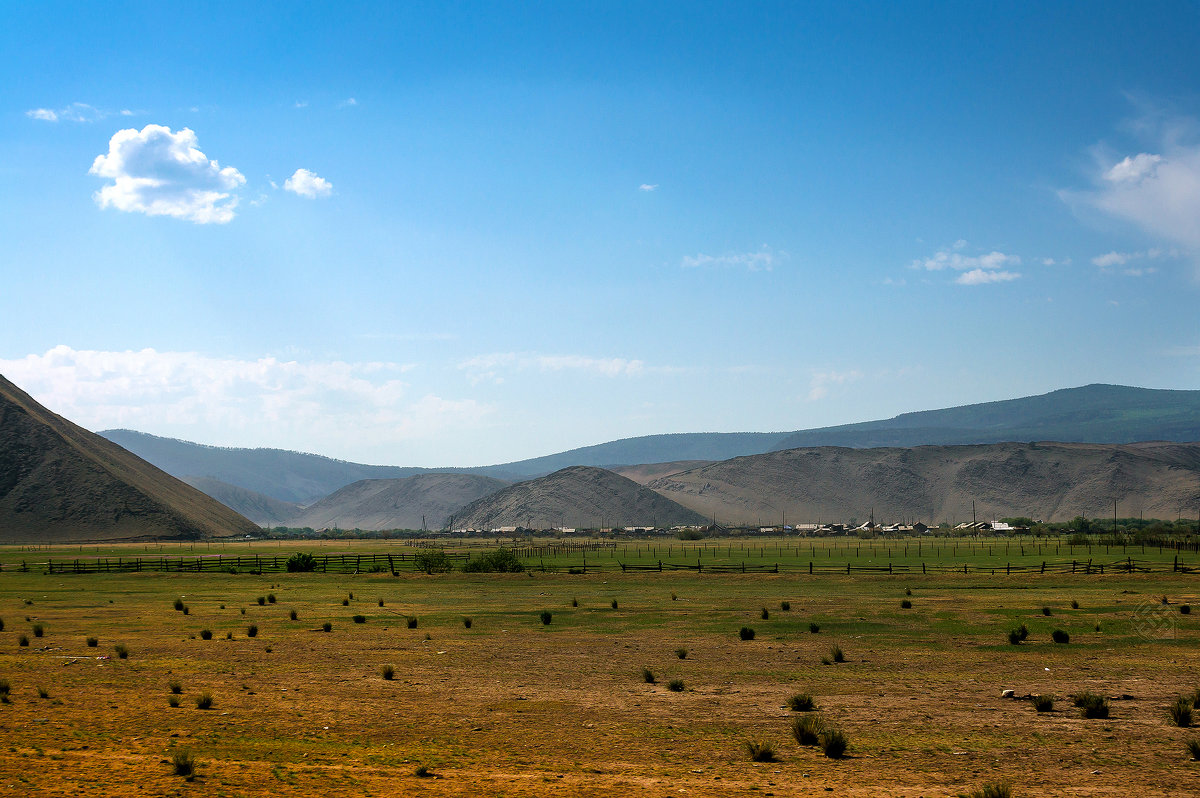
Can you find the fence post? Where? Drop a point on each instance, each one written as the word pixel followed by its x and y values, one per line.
pixel 922 567
pixel 810 567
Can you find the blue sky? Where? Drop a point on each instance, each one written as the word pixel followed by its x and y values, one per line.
pixel 458 234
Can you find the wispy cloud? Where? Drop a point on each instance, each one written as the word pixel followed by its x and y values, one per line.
pixel 493 367
pixel 160 173
pixel 822 381
pixel 763 259
pixel 1109 260
pixel 349 102
pixel 648 187
pixel 75 112
pixel 976 269
pixel 308 184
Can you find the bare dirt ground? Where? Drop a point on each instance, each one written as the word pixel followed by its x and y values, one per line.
pixel 513 707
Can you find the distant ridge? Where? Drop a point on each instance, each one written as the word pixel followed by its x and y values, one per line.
pixel 258 507
pixel 60 483
pixel 396 503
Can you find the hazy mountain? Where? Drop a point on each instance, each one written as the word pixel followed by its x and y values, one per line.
pixel 60 483
pixel 579 496
pixel 1047 481
pixel 258 507
pixel 397 503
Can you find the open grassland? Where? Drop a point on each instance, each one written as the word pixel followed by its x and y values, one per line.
pixel 519 703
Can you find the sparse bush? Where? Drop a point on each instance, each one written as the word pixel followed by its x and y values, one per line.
pixel 1180 711
pixel 229 635
pixel 187 610
pixel 1 624
pixel 175 687
pixel 411 621
pixel 574 602
pixel 1046 611
pixel 786 606
pixel 292 615
pixel 432 561
pixel 183 763
pixel 43 692
pixel 5 688
pixel 326 627
pixel 681 653
pixel 746 633
pixel 675 685
pixel 994 789
pixel 674 597
pixel 1093 705
pixel 1043 703
pixel 270 598
pixel 423 772
pixel 428 636
pixel 93 642
pixel 836 653
pixel 388 672
pixel 1074 604
pixel 173 701
pixel 501 560
pixel 351 595
pixel 1193 748
pixel 1014 637
pixel 252 630
pixel 206 634
pixel 1023 631
pixel 122 651
pixel 38 630
pixel 1185 609
pixel 760 751
pixel 834 743
pixel 764 614
pixel 179 605
pixel 1060 636
pixel 908 591
pixel 381 601
pixel 801 702
pixel 614 604
pixel 301 562
pixel 546 617
pixel 466 622
pixel 345 602
pixel 906 604
pixel 23 641
pixel 814 627
pixel 262 600
pixel 648 676
pixel 204 700
pixel 807 729
pixel 359 619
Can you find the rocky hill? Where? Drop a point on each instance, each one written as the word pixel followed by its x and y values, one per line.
pixel 60 483
pixel 396 503
pixel 579 496
pixel 933 484
pixel 258 507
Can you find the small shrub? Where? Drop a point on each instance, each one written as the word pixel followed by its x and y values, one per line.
pixel 1 624
pixel 546 617
pixel 187 610
pixel 764 614
pixel 176 688
pixel 675 685
pixel 836 653
pixel 1193 748
pixel 574 602
pixel 814 627
pixel 93 642
pixel 908 591
pixel 179 605
pixel 262 600
pixel 229 635
pixel 301 562
pixel 428 636
pixel 222 606
pixel 292 615
pixel 252 630
pixel 345 602
pixel 23 640
pixel 746 633
pixel 681 653
pixel 1046 611
pixel 381 601
pixel 1196 698
pixel 5 687
pixel 1060 636
pixel 388 672
pixel 826 661
pixel 1014 637
pixel 1074 604
pixel 466 622
pixel 674 597
pixel 614 604
pixel 38 630
pixel 270 598
pixel 173 701
pixel 906 604
pixel 807 729
pixel 183 763
pixel 423 772
pixel 786 606
pixel 359 619
pixel 1023 631
pixel 351 595
pixel 1180 712
pixel 834 743
pixel 411 621
pixel 994 789
pixel 122 651
pixel 204 700
pixel 760 751
pixel 801 702
pixel 206 634
pixel 1185 609
pixel 432 561
pixel 648 676
pixel 501 560
pixel 1093 705
pixel 43 692
pixel 326 627
pixel 1043 703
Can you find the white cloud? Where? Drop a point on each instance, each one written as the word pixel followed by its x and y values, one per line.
pixel 349 102
pixel 75 112
pixel 160 173
pixel 977 269
pixel 325 406
pixel 489 367
pixel 822 380
pixel 647 186
pixel 45 114
pixel 308 184
pixel 1133 169
pixel 300 104
pixel 984 276
pixel 1111 259
pixel 761 260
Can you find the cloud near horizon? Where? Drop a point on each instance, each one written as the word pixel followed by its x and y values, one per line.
pixel 160 173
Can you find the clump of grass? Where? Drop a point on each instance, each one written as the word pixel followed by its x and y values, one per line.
pixel 760 751
pixel 93 642
pixel 423 772
pixel 204 700
pixel 648 676
pixel 122 651
pixel 345 602
pixel 176 688
pixel 38 630
pixel 326 627
pixel 466 622
pixel 1046 611
pixel 807 729
pixel 1074 604
pixel 351 596
pixel 206 634
pixel 764 614
pixel 411 621
pixel 1 624
pixel 546 617
pixel 834 742
pixel 270 598
pixel 814 628
pixel 428 636
pixel 1014 637
pixel 993 789
pixel 836 653
pixel 42 692
pixel 1185 609
pixel 681 653
pixel 173 701
pixel 1060 636
pixel 388 672
pixel 222 606
pixel 1043 703
pixel 262 600
pixel 801 702
pixel 1193 748
pixel 908 591
pixel 614 604
pixel 1093 705
pixel 786 606
pixel 359 619
pixel 23 640
pixel 179 605
pixel 243 609
pixel 1180 712
pixel 252 630
pixel 229 635
pixel 183 763
pixel 1196 698
pixel 187 610
pixel 675 685
pixel 746 633
pixel 292 615
pixel 906 604
pixel 674 597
